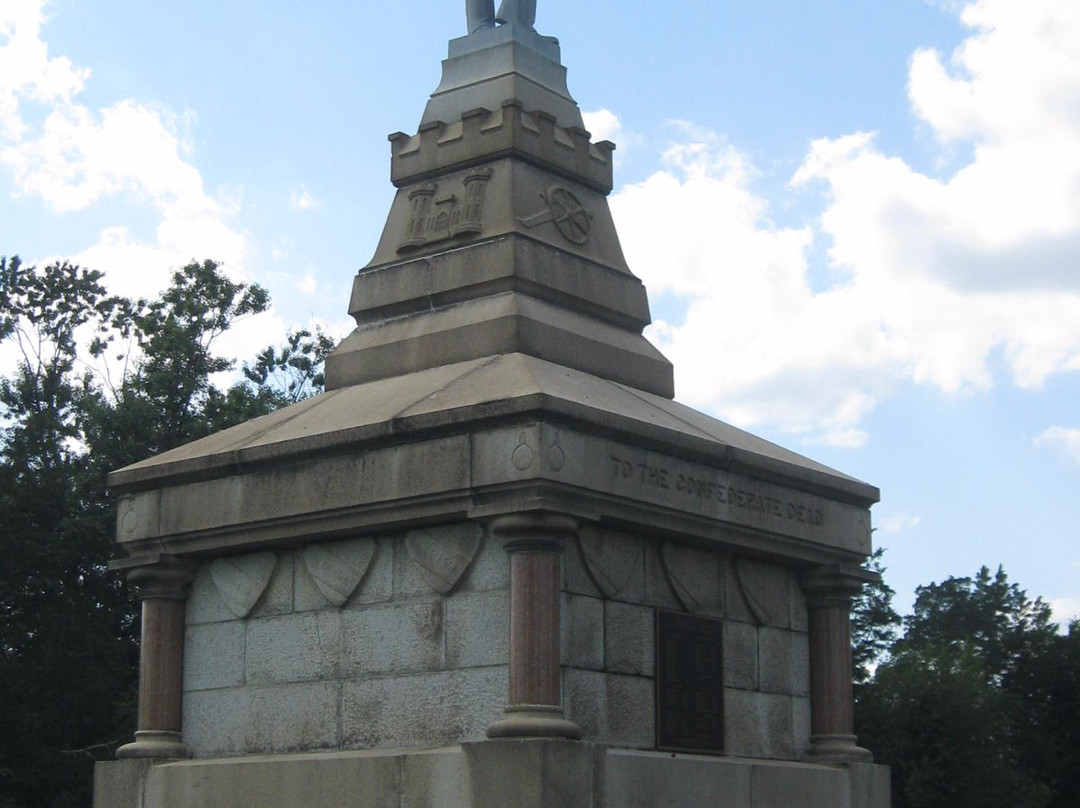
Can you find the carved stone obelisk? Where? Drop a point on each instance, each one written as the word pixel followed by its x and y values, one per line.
pixel 495 563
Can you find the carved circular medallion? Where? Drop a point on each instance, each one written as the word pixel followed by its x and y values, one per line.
pixel 522 456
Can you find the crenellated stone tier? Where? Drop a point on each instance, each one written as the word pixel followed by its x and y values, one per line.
pixel 510 130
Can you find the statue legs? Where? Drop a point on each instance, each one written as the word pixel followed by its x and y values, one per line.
pixel 521 12
pixel 480 14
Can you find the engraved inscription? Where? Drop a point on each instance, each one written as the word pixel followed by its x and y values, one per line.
pixel 632 472
pixel 689 683
pixel 434 218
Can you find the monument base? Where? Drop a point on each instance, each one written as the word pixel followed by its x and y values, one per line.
pixel 526 773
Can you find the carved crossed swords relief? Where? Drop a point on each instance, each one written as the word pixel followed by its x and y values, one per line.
pixel 566 211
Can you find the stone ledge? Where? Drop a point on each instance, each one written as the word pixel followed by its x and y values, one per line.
pixel 491 774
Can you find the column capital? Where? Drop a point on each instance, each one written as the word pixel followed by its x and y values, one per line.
pixel 159 576
pixel 537 531
pixel 833 581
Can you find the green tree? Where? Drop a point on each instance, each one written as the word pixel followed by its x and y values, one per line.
pixel 66 633
pixel 969 700
pixel 874 622
pixel 68 626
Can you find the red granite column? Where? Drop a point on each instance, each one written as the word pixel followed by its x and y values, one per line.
pixel 162 590
pixel 535 544
pixel 829 590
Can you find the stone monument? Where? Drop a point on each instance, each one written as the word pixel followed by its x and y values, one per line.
pixel 495 564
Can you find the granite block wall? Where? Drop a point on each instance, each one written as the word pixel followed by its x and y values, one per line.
pixel 363 643
pixel 614 582
pixel 392 641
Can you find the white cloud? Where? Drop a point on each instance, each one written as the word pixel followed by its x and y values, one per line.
pixel 306 285
pixel 930 276
pixel 26 69
pixel 73 158
pixel 301 199
pixel 1065 609
pixel 897 523
pixel 603 124
pixel 757 344
pixel 1064 440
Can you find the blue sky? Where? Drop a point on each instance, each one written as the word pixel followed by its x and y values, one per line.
pixel 859 221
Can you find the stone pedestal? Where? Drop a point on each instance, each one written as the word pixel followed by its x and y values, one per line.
pixel 522 773
pixel 162 586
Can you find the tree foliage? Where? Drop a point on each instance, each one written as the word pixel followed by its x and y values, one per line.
pixel 975 705
pixel 874 622
pixel 99 382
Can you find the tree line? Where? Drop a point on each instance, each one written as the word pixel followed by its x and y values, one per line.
pixel 99 382
pixel 973 699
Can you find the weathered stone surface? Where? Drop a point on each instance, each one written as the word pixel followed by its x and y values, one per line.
pixel 204 603
pixel 523 774
pixel 785 661
pixel 614 709
pixel 398 638
pixel 740 655
pixel 493 65
pixel 800 620
pixel 423 710
pixel 531 773
pixel 120 783
pixel 478 629
pixel 214 655
pixel 337 567
pixel 443 553
pixel 629 639
pixel 583 632
pixel 294 648
pixel 348 491
pixel 614 562
pixel 489 570
pixel 576 579
pixel 870 785
pixel 278 597
pixel 658 780
pixel 759 593
pixel 696 577
pixel 241 580
pixel 800 725
pixel 758 724
pixel 436 777
pixel 325 780
pixel 658 590
pixel 376 586
pixel 280 718
pixel 802 785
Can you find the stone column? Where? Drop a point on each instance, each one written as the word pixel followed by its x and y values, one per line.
pixel 162 590
pixel 534 542
pixel 829 590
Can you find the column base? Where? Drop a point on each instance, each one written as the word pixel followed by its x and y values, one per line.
pixel 154 744
pixel 534 721
pixel 837 749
